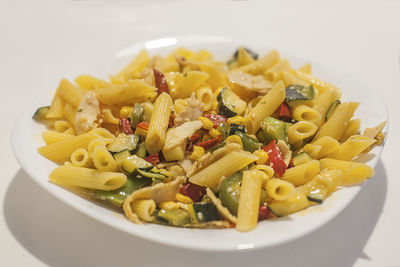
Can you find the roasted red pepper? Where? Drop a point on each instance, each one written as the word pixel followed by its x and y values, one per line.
pixel 263 213
pixel 285 112
pixel 143 125
pixel 194 138
pixel 153 159
pixel 170 122
pixel 194 191
pixel 209 143
pixel 276 159
pixel 161 82
pixel 216 119
pixel 125 126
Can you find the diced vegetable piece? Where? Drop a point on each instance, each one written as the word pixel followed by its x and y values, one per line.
pixel 249 143
pixel 136 115
pixel 178 217
pixel 299 92
pixel 276 158
pixel 143 125
pixel 223 129
pixel 150 174
pixel 124 142
pixel 209 143
pixel 130 164
pixel 153 159
pixel 233 128
pixel 317 195
pixel 203 212
pixel 285 112
pixel 141 151
pixel 40 113
pixel 216 119
pixel 160 81
pixel 117 197
pixel 229 104
pixel 194 191
pixel 125 126
pixel 274 129
pixel 263 213
pixel 121 155
pixel 331 109
pixel 301 158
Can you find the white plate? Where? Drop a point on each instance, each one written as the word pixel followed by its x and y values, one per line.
pixel 26 138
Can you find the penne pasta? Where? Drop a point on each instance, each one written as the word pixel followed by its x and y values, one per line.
pixel 303 173
pixel 279 189
pixel 352 147
pixel 353 173
pixel 300 131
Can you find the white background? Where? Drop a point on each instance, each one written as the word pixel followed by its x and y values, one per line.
pixel 42 41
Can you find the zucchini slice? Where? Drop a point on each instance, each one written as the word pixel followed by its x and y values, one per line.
pixel 230 104
pixel 40 113
pixel 203 212
pixel 331 109
pixel 224 130
pixel 178 217
pixel 299 92
pixel 233 128
pixel 274 129
pixel 249 143
pixel 317 195
pixel 124 142
pixel 153 173
pixel 136 115
pixel 141 152
pixel 301 158
pixel 132 163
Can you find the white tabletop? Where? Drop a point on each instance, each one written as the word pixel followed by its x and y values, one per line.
pixel 44 40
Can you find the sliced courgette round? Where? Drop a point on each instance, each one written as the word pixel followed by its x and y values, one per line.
pixel 331 109
pixel 40 113
pixel 132 163
pixel 124 142
pixel 136 115
pixel 301 158
pixel 230 104
pixel 299 92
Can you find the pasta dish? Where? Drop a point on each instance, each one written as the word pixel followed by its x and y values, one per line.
pixel 188 141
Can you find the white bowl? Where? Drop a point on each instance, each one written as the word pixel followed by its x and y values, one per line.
pixel 26 138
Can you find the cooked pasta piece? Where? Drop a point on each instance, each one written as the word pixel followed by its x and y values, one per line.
pixel 80 158
pixel 336 124
pixel 274 73
pixel 135 66
pixel 87 178
pixel 206 96
pixel 190 83
pixel 291 205
pixel 261 65
pixel 279 189
pixel 61 126
pixel 70 93
pixel 322 103
pixel 103 160
pixel 353 173
pixel 51 137
pixel 352 147
pixel 56 107
pixel 320 84
pixel 352 128
pixel 328 145
pixel 300 131
pixel 301 174
pixel 306 113
pixel 95 143
pixel 145 209
pixel 159 123
pixel 88 82
pixel 249 200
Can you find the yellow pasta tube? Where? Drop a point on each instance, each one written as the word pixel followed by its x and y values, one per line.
pixel 87 178
pixel 62 150
pixel 69 113
pixel 279 189
pixel 136 65
pixel 225 166
pixel 159 123
pixel 274 73
pixel 336 124
pixel 249 200
pixel 301 174
pixel 80 157
pixel 301 130
pixel 144 208
pixel 70 93
pixel 95 143
pixel 56 108
pixel 216 76
pixel 352 147
pixel 190 83
pixel 134 91
pixel 353 172
pixel 328 145
pixel 306 68
pixel 61 126
pixel 260 65
pixel 321 85
pixel 206 96
pixel 108 117
pixel 289 79
pixel 352 129
pixel 70 130
pixel 103 160
pixel 88 82
pixel 180 105
pixel 306 113
pixel 291 205
pixel 103 133
pixel 267 105
pixel 51 137
pixel 322 103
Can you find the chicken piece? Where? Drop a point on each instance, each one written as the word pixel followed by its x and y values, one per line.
pixel 159 192
pixel 87 114
pixel 192 112
pixel 178 135
pixel 250 82
pixel 225 213
pixel 286 152
pixel 186 165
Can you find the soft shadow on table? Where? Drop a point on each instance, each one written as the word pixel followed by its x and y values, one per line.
pixel 61 236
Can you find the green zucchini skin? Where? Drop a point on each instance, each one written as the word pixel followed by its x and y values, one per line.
pixel 331 109
pixel 131 164
pixel 136 115
pixel 233 128
pixel 224 107
pixel 40 113
pixel 229 104
pixel 274 129
pixel 223 129
pixel 249 143
pixel 141 151
pixel 178 217
pixel 124 142
pixel 315 199
pixel 203 212
pixel 151 174
pixel 301 158
pixel 299 92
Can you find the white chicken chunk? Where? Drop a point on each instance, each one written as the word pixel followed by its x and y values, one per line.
pixel 87 114
pixel 178 135
pixel 192 112
pixel 251 82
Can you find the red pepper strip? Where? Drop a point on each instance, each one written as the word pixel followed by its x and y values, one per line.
pixel 125 126
pixel 216 119
pixel 209 143
pixel 263 213
pixel 276 159
pixel 194 138
pixel 143 125
pixel 194 191
pixel 170 122
pixel 161 82
pixel 284 111
pixel 153 159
